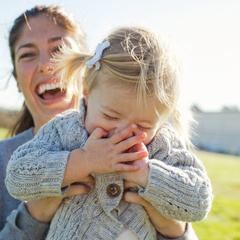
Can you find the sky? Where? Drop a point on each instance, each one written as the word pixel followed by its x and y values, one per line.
pixel 205 35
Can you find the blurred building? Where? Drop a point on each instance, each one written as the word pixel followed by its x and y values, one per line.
pixel 218 131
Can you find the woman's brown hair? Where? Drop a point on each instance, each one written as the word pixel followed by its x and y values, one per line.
pixel 61 18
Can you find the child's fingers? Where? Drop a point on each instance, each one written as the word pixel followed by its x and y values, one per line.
pixel 129 157
pixel 125 162
pixel 122 134
pixel 121 167
pixel 130 142
pixel 98 133
pixel 137 147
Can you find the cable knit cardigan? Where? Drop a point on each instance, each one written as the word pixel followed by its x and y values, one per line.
pixel 178 186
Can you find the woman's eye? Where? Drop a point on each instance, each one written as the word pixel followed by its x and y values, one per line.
pixel 27 55
pixel 57 49
pixel 109 117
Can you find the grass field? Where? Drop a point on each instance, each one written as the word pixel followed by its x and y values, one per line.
pixel 3 133
pixel 223 222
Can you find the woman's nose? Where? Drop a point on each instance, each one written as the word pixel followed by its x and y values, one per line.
pixel 44 64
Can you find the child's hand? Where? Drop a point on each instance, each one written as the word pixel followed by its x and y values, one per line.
pixel 104 155
pixel 140 176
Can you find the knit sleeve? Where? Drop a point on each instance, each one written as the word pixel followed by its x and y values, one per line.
pixel 178 185
pixel 36 169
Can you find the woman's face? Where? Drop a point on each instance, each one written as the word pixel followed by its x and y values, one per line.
pixel 33 51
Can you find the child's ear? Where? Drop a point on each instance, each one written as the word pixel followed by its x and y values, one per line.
pixel 85 95
pixel 84 90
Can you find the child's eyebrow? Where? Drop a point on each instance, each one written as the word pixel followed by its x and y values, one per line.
pixel 108 108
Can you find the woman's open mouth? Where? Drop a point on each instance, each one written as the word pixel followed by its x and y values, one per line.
pixel 51 92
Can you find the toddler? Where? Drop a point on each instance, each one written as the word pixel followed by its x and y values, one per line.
pixel 129 128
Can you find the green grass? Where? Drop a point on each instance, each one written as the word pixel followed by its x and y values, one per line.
pixel 223 222
pixel 3 133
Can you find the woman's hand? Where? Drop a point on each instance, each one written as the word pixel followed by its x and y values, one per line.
pixel 43 210
pixel 167 227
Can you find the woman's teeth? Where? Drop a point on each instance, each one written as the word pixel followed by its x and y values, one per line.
pixel 46 87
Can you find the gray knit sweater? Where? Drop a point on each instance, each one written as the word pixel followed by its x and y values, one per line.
pixel 15 221
pixel 178 185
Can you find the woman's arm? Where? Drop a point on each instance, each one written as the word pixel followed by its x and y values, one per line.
pixel 30 221
pixel 21 226
pixel 166 228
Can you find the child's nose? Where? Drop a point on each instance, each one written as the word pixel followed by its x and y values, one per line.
pixel 116 130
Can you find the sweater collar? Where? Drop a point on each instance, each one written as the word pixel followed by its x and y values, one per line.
pixel 160 142
pixel 82 109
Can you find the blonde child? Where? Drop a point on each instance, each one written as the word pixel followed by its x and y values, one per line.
pixel 124 133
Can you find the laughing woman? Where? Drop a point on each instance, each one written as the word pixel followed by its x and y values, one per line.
pixel 35 36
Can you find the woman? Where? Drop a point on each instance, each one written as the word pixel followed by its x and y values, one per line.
pixel 34 38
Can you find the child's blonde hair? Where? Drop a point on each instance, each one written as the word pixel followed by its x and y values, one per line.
pixel 136 57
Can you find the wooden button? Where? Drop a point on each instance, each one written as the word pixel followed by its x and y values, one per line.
pixel 113 190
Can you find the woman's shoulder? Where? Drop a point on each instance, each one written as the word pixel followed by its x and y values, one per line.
pixel 9 145
pixel 18 139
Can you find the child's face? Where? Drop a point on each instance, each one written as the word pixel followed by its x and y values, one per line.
pixel 113 108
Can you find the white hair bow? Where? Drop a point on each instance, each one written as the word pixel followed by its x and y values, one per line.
pixel 95 59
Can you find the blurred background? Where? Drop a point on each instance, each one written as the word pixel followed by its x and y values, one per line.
pixel 206 36
pixel 204 33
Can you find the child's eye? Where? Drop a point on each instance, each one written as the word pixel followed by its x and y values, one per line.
pixel 143 129
pixel 109 117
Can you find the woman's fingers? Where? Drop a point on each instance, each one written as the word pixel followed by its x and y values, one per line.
pixel 88 179
pixel 128 185
pixel 78 189
pixel 134 197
